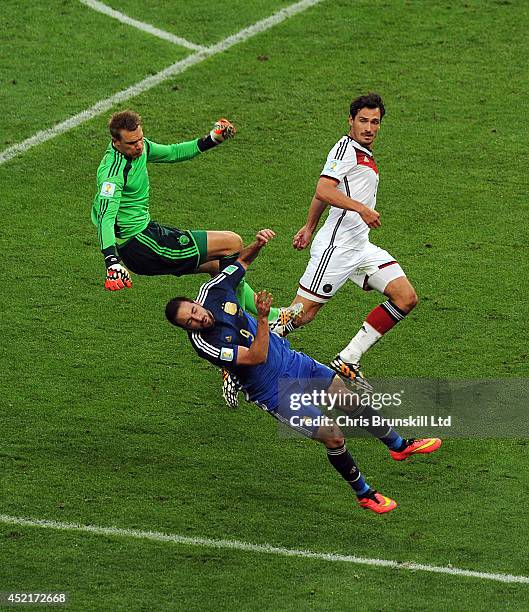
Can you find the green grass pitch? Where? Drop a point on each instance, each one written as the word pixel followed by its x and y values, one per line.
pixel 108 417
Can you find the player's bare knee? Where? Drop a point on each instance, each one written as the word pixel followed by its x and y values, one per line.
pixel 406 299
pixel 334 442
pixel 331 436
pixel 341 396
pixel 233 243
pixel 409 300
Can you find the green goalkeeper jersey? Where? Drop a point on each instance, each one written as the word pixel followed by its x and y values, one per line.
pixel 120 208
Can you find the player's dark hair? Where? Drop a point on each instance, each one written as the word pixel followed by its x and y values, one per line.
pixel 370 100
pixel 172 307
pixel 124 120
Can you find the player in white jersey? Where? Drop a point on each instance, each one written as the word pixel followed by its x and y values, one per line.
pixel 341 250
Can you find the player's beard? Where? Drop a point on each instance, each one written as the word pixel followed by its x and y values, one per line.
pixel 209 320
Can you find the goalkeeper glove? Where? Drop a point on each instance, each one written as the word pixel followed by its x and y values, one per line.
pixel 117 278
pixel 223 130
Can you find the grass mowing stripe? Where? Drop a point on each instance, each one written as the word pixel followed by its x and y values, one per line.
pixel 155 79
pixel 140 25
pixel 259 548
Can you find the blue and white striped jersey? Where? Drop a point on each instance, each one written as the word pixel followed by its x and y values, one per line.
pixel 233 328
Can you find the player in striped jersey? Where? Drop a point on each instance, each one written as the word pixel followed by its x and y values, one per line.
pixel 341 250
pixel 222 333
pixel 120 212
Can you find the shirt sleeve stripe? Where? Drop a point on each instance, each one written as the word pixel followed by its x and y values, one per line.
pixel 114 169
pixel 103 205
pixel 113 166
pixel 204 346
pixel 343 148
pixel 203 292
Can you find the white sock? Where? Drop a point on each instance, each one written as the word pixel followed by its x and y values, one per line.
pixel 364 340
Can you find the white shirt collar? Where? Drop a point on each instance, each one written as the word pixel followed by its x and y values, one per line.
pixel 359 146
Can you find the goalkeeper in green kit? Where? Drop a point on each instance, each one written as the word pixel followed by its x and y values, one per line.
pixel 120 211
pixel 129 240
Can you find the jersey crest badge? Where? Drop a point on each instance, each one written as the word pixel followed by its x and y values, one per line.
pixel 107 189
pixel 230 269
pixel 226 354
pixel 230 308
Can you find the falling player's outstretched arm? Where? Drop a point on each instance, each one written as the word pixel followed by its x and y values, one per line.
pixel 249 253
pixel 327 191
pixel 258 352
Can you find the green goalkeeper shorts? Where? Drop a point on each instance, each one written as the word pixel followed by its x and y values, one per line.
pixel 159 249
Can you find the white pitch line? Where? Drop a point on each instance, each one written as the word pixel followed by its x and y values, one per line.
pixel 140 25
pixel 258 548
pixel 156 79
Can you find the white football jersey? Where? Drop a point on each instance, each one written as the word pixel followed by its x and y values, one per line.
pixel 355 170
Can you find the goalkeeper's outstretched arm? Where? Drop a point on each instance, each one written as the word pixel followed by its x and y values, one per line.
pixel 168 153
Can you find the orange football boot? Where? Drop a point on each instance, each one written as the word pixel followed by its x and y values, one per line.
pixel 417 447
pixel 377 502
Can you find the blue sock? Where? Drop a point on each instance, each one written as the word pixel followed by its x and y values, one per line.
pixel 363 490
pixel 392 440
pixel 386 435
pixel 341 460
